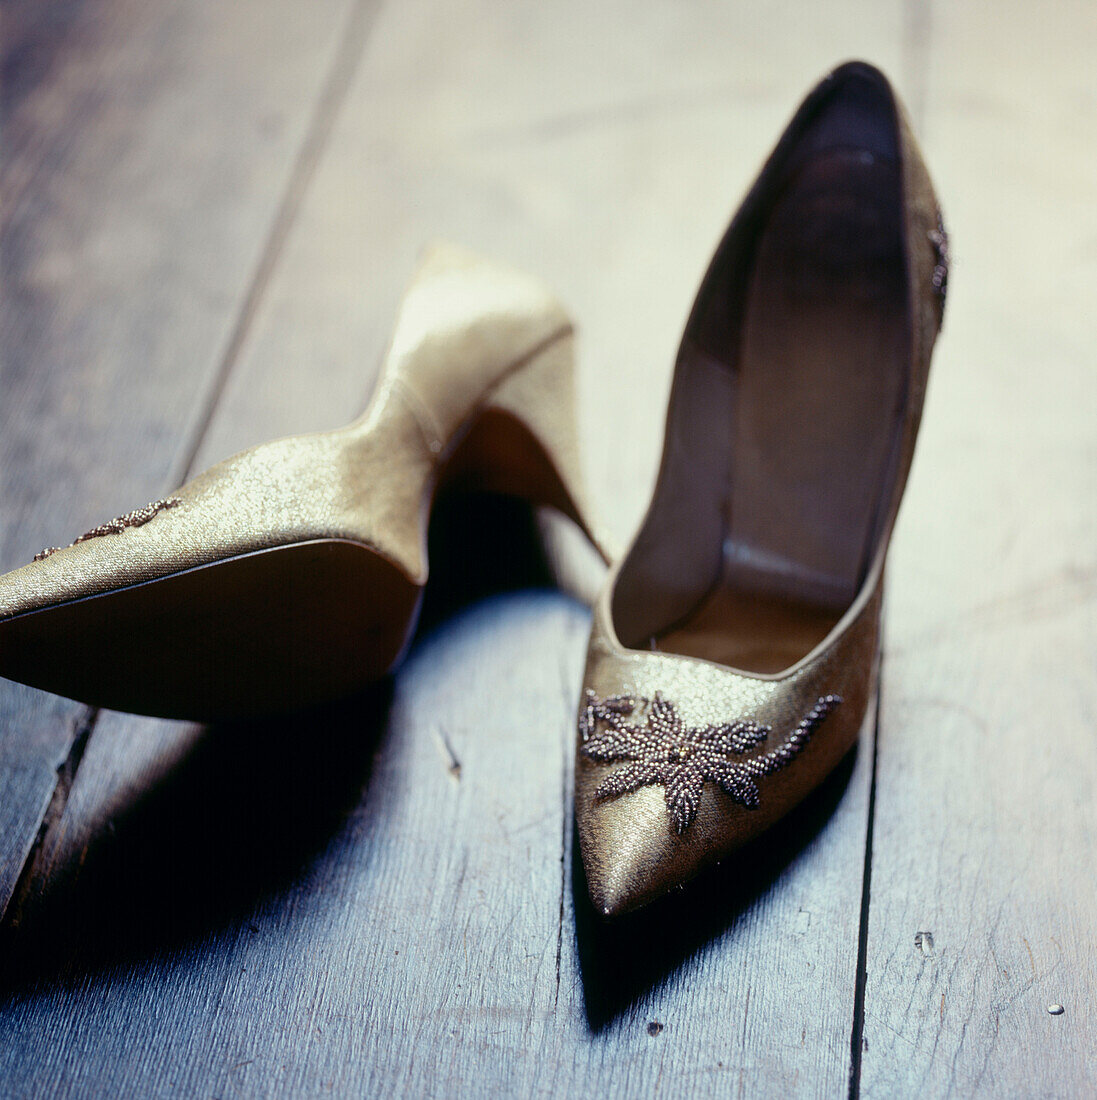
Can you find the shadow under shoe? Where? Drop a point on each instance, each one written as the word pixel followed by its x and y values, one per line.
pixel 480 544
pixel 251 804
pixel 241 817
pixel 622 962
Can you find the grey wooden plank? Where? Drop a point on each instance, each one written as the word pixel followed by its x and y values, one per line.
pixel 144 165
pixel 370 901
pixel 31 768
pixel 986 829
pixel 384 898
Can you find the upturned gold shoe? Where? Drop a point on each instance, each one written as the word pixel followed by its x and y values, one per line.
pixel 733 649
pixel 292 573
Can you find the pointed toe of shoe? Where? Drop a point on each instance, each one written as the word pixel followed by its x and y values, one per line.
pixel 680 763
pixel 633 850
pixel 628 857
pixel 633 854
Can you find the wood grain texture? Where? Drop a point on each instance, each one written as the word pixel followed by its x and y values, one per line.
pixel 374 900
pixel 142 171
pixel 385 899
pixel 382 897
pixel 986 825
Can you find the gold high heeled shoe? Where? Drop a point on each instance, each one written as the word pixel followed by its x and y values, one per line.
pixel 292 573
pixel 732 650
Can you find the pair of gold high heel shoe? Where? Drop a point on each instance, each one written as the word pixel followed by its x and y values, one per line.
pixel 733 646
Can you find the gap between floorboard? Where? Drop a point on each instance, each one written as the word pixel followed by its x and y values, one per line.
pixel 857 1030
pixel 55 809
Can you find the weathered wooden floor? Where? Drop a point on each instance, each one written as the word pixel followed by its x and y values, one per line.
pixel 209 211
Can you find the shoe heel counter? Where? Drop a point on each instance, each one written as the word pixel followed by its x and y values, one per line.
pixel 533 412
pixel 464 324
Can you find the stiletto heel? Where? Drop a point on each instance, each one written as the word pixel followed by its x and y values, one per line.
pixel 293 573
pixel 733 649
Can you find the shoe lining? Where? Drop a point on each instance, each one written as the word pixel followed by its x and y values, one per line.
pixel 799 387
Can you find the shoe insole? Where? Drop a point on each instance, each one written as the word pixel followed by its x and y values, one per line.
pixel 819 393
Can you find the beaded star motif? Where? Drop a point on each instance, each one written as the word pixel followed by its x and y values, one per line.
pixel 664 750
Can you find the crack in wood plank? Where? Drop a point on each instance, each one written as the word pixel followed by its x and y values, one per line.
pixel 85 721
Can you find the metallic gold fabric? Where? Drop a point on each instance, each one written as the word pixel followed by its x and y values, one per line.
pixel 631 850
pixel 470 335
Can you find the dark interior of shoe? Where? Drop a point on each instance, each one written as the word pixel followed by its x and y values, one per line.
pixel 790 388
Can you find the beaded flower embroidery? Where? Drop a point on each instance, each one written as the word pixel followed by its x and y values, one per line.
pixel 681 758
pixel 939 239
